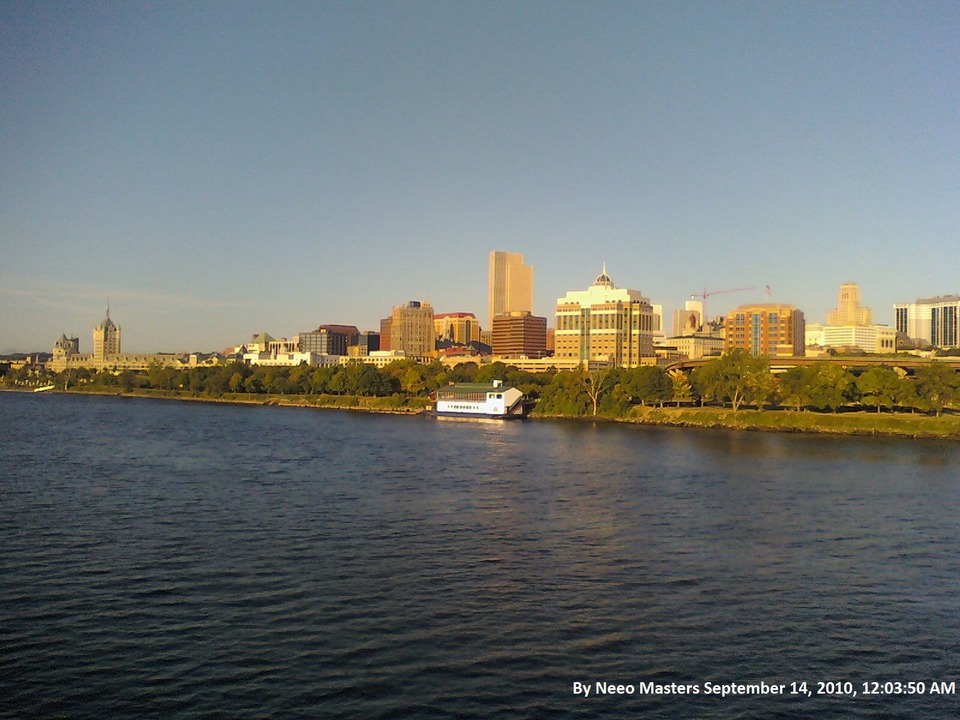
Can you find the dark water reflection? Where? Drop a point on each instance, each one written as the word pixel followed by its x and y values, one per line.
pixel 168 559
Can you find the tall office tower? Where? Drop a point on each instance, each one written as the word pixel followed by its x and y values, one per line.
pixel 605 323
pixel 766 329
pixel 412 331
pixel 849 311
pixel 510 285
pixel 106 339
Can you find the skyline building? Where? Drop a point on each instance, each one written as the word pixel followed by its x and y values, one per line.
pixel 605 323
pixel 931 320
pixel 850 326
pixel 106 339
pixel 868 338
pixel 509 285
pixel 689 320
pixel 328 339
pixel 519 334
pixel 849 311
pixel 460 328
pixel 106 353
pixel 411 330
pixel 770 329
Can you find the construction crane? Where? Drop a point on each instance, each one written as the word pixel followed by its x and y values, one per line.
pixel 707 293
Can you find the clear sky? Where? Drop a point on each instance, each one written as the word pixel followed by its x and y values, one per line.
pixel 218 169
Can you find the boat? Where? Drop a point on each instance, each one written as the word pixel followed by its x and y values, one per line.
pixel 481 400
pixel 44 388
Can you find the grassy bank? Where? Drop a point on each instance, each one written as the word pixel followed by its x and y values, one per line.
pixel 388 404
pixel 848 423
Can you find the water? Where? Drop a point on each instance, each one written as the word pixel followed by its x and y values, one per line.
pixel 181 560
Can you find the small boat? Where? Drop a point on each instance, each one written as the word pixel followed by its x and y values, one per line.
pixel 44 388
pixel 479 400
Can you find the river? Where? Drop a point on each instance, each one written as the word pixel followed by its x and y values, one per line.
pixel 181 560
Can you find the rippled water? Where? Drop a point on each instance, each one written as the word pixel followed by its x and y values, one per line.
pixel 180 560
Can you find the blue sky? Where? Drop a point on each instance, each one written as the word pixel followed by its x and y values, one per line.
pixel 223 168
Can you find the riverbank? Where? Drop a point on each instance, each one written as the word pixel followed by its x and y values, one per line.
pixel 793 421
pixel 789 421
pixel 392 404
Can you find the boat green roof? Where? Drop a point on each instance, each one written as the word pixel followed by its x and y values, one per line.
pixel 476 387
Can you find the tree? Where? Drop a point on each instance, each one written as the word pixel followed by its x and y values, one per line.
pixel 489 373
pixel 413 381
pixel 648 384
pixel 937 385
pixel 371 382
pixel 795 387
pixel 763 389
pixel 320 379
pixel 830 386
pixel 196 380
pixel 340 382
pixel 127 380
pixel 615 402
pixel 735 377
pixel 703 382
pixel 463 372
pixel 236 383
pixel 682 389
pixel 564 395
pixel 278 382
pixel 300 378
pixel 879 387
pixel 598 382
pixel 254 383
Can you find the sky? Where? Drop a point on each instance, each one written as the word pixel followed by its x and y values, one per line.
pixel 219 169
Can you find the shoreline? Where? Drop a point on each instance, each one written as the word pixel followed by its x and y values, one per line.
pixel 856 423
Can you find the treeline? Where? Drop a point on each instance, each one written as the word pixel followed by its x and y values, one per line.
pixel 737 379
pixel 403 377
pixel 734 380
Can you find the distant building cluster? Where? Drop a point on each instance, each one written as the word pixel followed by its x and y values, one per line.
pixel 602 325
pixel 106 353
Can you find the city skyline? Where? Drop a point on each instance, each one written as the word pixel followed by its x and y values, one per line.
pixel 225 169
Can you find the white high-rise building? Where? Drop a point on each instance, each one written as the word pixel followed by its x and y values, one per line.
pixel 931 320
pixel 605 323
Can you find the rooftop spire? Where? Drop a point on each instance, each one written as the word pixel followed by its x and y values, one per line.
pixel 603 278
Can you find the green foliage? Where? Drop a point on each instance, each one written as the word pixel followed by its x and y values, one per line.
pixel 936 385
pixel 564 395
pixel 880 387
pixel 463 373
pixel 735 377
pixel 648 384
pixel 829 387
pixel 682 389
pixel 794 385
pixel 489 373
